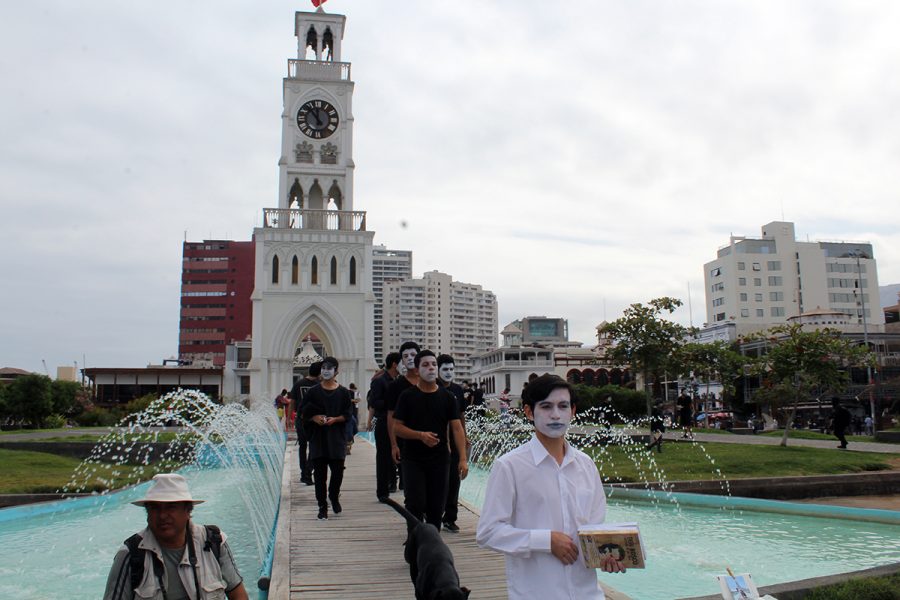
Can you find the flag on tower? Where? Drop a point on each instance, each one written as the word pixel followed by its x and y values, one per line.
pixel 318 3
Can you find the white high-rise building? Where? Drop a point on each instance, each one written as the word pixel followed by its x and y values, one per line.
pixel 441 315
pixel 313 275
pixel 760 282
pixel 387 265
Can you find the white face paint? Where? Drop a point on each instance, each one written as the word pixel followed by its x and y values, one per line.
pixel 408 358
pixel 553 414
pixel 428 370
pixel 327 372
pixel 446 372
pixel 401 369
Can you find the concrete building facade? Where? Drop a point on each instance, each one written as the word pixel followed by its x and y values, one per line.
pixel 387 265
pixel 442 315
pixel 760 282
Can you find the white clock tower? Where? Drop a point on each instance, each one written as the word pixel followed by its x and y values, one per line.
pixel 313 277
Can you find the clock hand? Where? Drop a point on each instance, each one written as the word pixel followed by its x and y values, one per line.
pixel 314 113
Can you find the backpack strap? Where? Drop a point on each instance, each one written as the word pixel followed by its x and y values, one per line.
pixel 213 540
pixel 136 556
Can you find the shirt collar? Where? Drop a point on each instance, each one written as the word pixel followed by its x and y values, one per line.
pixel 540 454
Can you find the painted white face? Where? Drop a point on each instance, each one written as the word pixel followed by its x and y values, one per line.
pixel 408 358
pixel 428 370
pixel 401 368
pixel 328 372
pixel 553 414
pixel 446 372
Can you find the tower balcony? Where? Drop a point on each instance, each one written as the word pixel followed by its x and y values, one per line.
pixel 322 70
pixel 315 220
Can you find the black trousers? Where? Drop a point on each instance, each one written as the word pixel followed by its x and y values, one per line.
pixel 425 487
pixel 303 452
pixel 321 467
pixel 451 509
pixel 385 469
pixel 839 434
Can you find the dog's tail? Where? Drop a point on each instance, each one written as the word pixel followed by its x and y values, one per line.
pixel 411 519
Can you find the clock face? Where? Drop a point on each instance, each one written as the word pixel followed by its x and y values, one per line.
pixel 317 119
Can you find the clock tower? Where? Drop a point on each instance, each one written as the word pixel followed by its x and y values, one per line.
pixel 313 280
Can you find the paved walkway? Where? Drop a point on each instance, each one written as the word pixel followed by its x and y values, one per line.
pixel 359 553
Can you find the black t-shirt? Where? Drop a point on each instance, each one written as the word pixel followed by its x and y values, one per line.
pixel 424 411
pixel 394 389
pixel 326 441
pixel 378 394
pixel 685 404
pixel 301 386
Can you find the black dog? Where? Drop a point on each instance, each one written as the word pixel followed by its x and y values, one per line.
pixel 430 560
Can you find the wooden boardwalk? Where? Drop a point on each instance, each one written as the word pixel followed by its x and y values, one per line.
pixel 359 553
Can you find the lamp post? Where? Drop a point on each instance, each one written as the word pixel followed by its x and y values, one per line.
pixel 857 254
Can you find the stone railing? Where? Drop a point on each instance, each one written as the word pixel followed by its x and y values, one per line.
pixel 322 220
pixel 318 69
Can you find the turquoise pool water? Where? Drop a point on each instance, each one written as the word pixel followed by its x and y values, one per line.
pixel 65 549
pixel 688 545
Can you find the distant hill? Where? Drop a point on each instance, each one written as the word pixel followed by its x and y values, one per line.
pixel 888 294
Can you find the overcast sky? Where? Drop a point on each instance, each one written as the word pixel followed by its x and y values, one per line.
pixel 572 157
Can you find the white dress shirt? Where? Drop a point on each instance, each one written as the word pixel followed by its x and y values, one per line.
pixel 529 495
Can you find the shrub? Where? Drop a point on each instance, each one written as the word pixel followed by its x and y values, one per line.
pixel 866 588
pixel 139 404
pixel 55 421
pixel 630 404
pixel 97 417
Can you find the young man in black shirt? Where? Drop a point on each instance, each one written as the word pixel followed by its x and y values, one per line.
pixel 385 469
pixel 326 408
pixel 408 352
pixel 424 417
pixel 298 392
pixel 446 371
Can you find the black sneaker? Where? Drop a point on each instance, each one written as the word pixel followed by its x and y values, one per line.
pixel 336 506
pixel 451 526
pixel 382 499
pixel 306 480
pixel 323 514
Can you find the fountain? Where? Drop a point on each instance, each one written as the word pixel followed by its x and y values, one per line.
pixel 691 538
pixel 232 458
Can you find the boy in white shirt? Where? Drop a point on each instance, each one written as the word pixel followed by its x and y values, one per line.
pixel 536 498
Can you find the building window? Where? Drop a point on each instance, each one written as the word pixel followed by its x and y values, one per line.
pixel 757 297
pixel 777 311
pixel 756 266
pixel 776 296
pixel 333 271
pixel 295 271
pixel 757 281
pixel 352 270
pixel 742 281
pixel 720 316
pixel 718 287
pixel 245 384
pixel 775 280
pixel 715 272
pixel 314 271
pixel 741 266
pixel 760 312
pixel 275 269
pixel 718 301
pixel 773 265
pixel 745 312
pixel 743 297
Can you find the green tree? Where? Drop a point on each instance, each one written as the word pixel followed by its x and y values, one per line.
pixel 30 399
pixel 65 396
pixel 645 340
pixel 715 361
pixel 799 363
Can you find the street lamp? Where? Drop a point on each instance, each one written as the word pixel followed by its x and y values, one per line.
pixel 858 254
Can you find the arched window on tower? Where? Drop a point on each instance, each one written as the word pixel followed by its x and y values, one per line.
pixel 312 44
pixel 352 270
pixel 335 194
pixel 295 271
pixel 295 196
pixel 275 269
pixel 314 271
pixel 333 271
pixel 328 45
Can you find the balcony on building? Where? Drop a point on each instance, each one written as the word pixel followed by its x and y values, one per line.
pixel 317 70
pixel 314 220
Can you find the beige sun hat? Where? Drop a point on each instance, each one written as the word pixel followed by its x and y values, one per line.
pixel 168 487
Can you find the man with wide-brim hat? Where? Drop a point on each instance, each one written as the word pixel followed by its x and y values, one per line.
pixel 174 558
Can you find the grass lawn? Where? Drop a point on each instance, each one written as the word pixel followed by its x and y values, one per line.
pixel 733 461
pixel 806 434
pixel 40 472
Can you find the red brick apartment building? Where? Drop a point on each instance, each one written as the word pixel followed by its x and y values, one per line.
pixel 216 283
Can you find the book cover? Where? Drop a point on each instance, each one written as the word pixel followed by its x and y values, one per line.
pixel 622 540
pixel 738 587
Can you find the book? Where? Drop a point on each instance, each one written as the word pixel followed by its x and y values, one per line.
pixel 622 540
pixel 737 587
